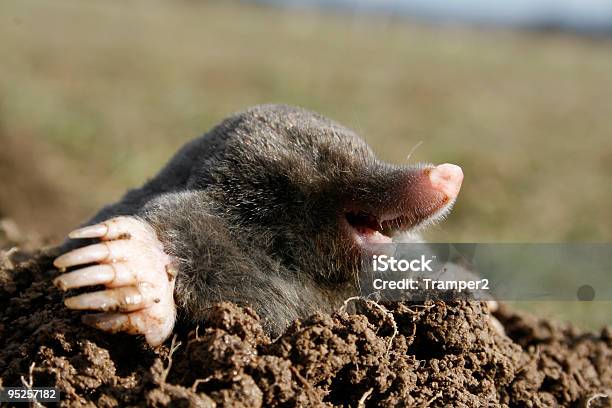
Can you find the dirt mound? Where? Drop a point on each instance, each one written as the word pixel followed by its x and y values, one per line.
pixel 393 354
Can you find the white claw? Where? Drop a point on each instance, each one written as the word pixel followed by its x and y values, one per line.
pixel 497 326
pixel 492 305
pixel 91 231
pixel 132 323
pixel 124 299
pixel 110 322
pixel 115 228
pixel 93 275
pixel 85 255
pixel 110 274
pixel 131 263
pixel 111 251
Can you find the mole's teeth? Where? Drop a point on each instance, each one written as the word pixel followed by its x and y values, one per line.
pixel 91 231
pixel 124 299
pixel 93 275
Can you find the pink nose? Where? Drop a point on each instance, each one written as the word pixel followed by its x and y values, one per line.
pixel 447 178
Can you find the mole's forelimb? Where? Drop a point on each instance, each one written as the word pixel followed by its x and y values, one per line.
pixel 138 274
pixel 274 208
pixel 173 253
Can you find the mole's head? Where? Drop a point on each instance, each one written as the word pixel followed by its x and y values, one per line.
pixel 316 196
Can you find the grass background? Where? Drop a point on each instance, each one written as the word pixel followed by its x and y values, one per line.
pixel 96 96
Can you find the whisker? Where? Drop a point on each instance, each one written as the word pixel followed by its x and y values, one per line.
pixel 416 146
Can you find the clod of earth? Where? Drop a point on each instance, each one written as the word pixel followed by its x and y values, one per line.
pixel 388 354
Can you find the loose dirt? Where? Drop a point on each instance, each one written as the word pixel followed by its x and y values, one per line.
pixel 390 354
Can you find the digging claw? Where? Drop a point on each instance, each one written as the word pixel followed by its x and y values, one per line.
pixel 124 299
pixel 492 305
pixel 131 262
pixel 92 231
pixel 114 228
pixel 110 322
pixel 93 275
pixel 85 255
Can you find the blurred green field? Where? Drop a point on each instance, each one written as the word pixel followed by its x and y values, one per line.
pixel 95 97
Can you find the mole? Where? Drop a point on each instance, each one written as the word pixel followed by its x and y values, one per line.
pixel 273 209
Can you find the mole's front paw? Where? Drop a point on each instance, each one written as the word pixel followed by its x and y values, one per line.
pixel 139 278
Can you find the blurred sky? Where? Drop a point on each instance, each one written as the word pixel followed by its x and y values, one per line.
pixel 587 16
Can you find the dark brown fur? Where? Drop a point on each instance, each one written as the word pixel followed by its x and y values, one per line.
pixel 253 212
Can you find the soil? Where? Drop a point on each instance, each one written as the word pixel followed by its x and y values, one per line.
pixel 390 354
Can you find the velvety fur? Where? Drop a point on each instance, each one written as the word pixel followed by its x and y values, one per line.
pixel 253 212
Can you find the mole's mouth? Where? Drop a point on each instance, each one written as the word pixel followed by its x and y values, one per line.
pixel 418 198
pixel 373 229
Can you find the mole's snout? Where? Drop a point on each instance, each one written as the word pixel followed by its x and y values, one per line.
pixel 423 194
pixel 447 178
